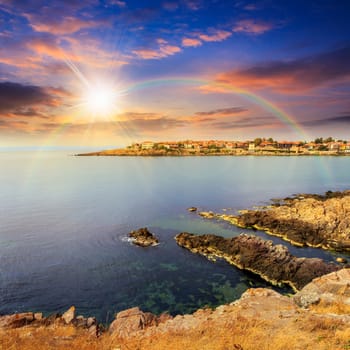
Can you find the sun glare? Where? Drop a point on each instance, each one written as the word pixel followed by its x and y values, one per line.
pixel 101 100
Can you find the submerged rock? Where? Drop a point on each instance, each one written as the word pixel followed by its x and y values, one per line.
pixel 143 237
pixel 272 262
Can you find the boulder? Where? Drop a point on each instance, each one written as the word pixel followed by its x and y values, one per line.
pixel 16 320
pixel 69 315
pixel 130 321
pixel 127 322
pixel 329 289
pixel 142 237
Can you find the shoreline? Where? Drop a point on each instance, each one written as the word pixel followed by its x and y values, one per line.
pixel 317 221
pixel 214 154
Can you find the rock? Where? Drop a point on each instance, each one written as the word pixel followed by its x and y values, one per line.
pixel 314 220
pixel 128 322
pixel 331 288
pixel 38 316
pixel 272 262
pixel 93 330
pixel 16 320
pixel 90 321
pixel 192 209
pixel 51 319
pixel 143 237
pixel 79 321
pixel 341 260
pixel 207 214
pixel 132 320
pixel 69 315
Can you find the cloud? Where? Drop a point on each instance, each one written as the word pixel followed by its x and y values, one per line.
pixel 224 111
pixel 87 52
pixel 251 7
pixel 19 102
pixel 338 120
pixel 155 124
pixel 170 6
pixel 162 52
pixel 193 5
pixel 217 35
pixel 245 123
pixel 29 112
pixel 188 42
pixel 134 126
pixel 293 76
pixel 14 96
pixel 119 3
pixel 251 26
pixel 59 25
pixel 46 46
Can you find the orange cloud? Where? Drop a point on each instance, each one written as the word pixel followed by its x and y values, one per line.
pixel 252 27
pixel 59 26
pixel 44 47
pixel 302 74
pixel 188 42
pixel 218 35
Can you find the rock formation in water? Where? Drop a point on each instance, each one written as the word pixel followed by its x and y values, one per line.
pixel 314 220
pixel 143 237
pixel 272 262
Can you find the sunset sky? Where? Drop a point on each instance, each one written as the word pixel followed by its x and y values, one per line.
pixel 108 73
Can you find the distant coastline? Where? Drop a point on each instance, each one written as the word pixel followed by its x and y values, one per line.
pixel 257 147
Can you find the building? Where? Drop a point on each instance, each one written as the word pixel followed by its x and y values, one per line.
pixel 147 145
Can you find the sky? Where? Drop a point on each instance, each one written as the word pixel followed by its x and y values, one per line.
pixel 108 73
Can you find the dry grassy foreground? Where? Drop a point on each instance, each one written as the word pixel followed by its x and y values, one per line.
pixel 262 320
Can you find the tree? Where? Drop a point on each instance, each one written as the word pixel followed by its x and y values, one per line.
pixel 329 139
pixel 319 140
pixel 257 141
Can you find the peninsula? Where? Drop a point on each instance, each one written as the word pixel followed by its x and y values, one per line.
pixel 320 221
pixel 258 146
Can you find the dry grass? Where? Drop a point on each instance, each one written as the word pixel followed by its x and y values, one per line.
pixel 305 332
pixel 335 307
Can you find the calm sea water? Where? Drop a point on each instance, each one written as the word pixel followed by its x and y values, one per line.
pixel 64 222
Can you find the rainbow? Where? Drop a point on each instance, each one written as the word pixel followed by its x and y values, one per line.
pixel 280 114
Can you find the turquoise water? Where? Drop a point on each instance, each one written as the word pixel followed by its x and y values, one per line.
pixel 64 222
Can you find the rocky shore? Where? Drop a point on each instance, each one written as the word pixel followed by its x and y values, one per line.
pixel 272 262
pixel 317 317
pixel 321 221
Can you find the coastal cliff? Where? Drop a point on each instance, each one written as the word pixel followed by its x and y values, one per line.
pixel 321 221
pixel 315 318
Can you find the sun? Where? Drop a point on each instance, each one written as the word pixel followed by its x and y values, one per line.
pixel 100 99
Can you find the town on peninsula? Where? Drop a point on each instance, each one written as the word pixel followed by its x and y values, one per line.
pixel 258 146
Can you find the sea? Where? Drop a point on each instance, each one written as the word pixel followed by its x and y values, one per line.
pixel 64 224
